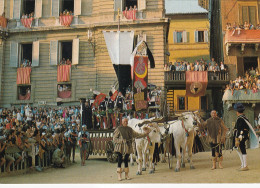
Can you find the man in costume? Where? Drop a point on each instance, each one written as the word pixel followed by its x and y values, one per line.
pixel 216 131
pixel 83 138
pixel 102 113
pixel 123 138
pixel 242 131
pixel 73 134
pixel 120 104
pixel 110 108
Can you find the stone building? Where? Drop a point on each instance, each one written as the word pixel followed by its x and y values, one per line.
pixel 71 29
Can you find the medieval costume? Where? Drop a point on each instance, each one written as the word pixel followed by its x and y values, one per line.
pixel 111 115
pixel 83 138
pixel 216 131
pixel 123 138
pixel 242 131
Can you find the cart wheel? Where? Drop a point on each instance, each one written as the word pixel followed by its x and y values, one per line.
pixel 89 149
pixel 111 155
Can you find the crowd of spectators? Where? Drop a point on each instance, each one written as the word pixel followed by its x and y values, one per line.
pixel 31 15
pixel 130 13
pixel 49 127
pixel 66 13
pixel 65 62
pixel 26 63
pixel 238 28
pixel 251 81
pixel 199 65
pixel 64 87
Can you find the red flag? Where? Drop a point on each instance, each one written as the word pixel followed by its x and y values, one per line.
pixel 113 97
pixel 196 83
pixel 99 99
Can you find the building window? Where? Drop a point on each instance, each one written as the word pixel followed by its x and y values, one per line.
pixel 249 14
pixel 65 52
pixel 67 5
pixel 181 102
pixel 200 36
pixel 130 3
pixel 180 37
pixel 24 92
pixel 26 55
pixel 28 8
pixel 64 91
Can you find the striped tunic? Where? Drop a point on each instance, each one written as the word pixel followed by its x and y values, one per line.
pixel 123 139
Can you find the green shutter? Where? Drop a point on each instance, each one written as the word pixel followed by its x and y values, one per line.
pixel 244 14
pixel 118 4
pixel 252 15
pixel 54 52
pixel 35 53
pixel 17 9
pixel 14 54
pixel 55 8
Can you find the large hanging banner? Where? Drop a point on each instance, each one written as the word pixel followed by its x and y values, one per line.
pixel 196 83
pixel 140 82
pixel 23 75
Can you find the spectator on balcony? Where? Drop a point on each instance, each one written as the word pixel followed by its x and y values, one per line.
pixel 125 13
pixel 172 67
pixel 197 66
pixel 222 67
pixel 228 26
pixel 188 66
pixel 246 26
pixel 252 72
pixel 63 61
pixel 213 62
pixel 216 68
pixel 182 67
pixel 60 89
pixel 65 88
pixel 192 67
pixel 68 62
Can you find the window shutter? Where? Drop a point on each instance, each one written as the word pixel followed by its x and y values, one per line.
pixel 118 4
pixel 184 36
pixel 206 36
pixel 252 15
pixel 75 52
pixel 54 52
pixel 2 7
pixel 196 36
pixel 244 14
pixel 14 54
pixel 35 53
pixel 55 8
pixel 174 37
pixel 17 9
pixel 38 8
pixel 141 4
pixel 77 7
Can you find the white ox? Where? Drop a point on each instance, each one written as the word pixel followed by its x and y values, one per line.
pixel 183 134
pixel 143 145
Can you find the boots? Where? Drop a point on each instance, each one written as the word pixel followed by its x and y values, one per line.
pixel 220 161
pixel 245 167
pixel 214 160
pixel 126 173
pixel 119 173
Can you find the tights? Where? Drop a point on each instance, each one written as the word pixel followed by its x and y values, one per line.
pixel 242 146
pixel 120 160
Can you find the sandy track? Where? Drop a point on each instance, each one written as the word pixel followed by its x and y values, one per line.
pixel 98 170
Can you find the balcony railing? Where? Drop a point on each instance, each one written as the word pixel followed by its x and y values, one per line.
pixel 180 76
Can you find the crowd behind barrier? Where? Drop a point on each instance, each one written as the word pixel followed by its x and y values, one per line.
pixel 176 70
pixel 250 81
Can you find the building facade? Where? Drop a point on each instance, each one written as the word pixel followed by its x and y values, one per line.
pixel 241 53
pixel 188 41
pixel 72 29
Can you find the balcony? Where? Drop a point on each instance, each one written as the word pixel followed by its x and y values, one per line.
pixel 177 78
pixel 242 38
